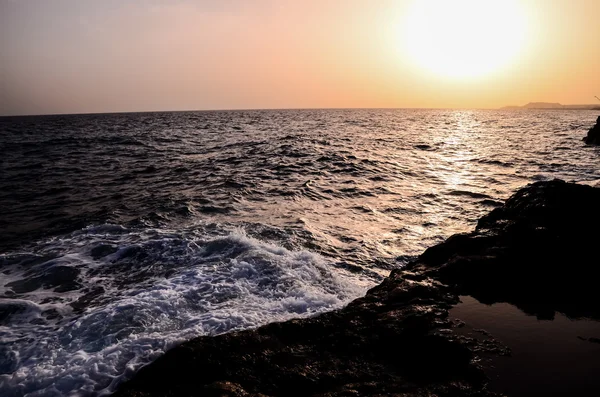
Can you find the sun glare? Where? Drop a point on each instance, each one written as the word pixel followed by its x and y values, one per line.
pixel 464 38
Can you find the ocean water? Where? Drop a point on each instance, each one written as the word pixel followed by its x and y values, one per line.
pixel 122 235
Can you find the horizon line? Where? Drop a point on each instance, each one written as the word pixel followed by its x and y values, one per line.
pixel 282 109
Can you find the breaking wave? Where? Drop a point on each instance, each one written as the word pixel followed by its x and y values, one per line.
pixel 92 307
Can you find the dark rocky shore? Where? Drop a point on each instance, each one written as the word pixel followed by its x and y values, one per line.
pixel 537 252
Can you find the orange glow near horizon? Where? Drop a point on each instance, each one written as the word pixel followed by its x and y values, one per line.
pixel 77 57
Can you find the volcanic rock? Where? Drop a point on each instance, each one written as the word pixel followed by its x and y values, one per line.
pixel 537 252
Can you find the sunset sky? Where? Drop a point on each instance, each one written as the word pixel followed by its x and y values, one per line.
pixel 80 56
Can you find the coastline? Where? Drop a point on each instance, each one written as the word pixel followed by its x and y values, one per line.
pixel 535 253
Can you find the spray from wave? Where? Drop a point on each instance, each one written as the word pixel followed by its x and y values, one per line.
pixel 83 312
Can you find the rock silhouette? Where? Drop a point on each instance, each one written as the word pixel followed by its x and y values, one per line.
pixel 537 252
pixel 593 136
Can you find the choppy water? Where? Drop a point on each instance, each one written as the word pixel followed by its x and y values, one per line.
pixel 122 235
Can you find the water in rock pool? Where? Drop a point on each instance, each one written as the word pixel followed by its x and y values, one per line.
pixel 122 235
pixel 546 357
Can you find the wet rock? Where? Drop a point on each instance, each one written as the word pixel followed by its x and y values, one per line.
pixel 379 345
pixel 593 136
pixel 535 252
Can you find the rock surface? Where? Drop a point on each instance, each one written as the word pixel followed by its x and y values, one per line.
pixel 593 136
pixel 538 252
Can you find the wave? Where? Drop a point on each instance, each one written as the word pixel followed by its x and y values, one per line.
pixel 137 293
pixel 468 193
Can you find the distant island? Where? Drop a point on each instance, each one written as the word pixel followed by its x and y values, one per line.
pixel 550 105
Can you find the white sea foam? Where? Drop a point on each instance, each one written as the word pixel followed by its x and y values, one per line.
pixel 159 288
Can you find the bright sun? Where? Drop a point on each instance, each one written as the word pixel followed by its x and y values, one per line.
pixel 464 38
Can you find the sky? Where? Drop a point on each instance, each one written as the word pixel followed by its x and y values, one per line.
pixel 86 56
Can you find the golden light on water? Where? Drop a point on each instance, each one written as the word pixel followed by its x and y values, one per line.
pixel 464 38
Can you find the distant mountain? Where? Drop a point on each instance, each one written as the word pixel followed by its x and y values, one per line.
pixel 552 105
pixel 543 105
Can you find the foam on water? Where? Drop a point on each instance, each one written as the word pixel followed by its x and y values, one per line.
pixel 132 294
pixel 364 190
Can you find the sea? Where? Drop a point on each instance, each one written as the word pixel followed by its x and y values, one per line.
pixel 123 235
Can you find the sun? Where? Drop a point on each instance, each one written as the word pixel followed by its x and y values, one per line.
pixel 464 38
